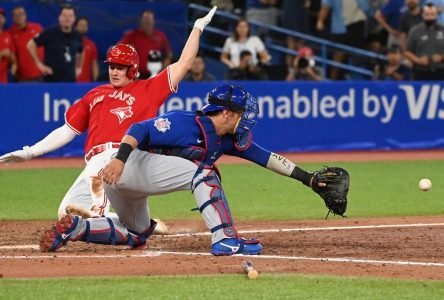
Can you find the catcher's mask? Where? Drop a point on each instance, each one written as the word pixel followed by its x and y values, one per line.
pixel 235 99
pixel 125 55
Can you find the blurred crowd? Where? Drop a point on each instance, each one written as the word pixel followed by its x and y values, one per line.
pixel 64 53
pixel 409 35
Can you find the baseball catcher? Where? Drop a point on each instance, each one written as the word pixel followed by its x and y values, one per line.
pixel 177 151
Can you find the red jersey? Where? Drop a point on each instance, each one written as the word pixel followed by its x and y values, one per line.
pixel 5 43
pixel 107 112
pixel 90 52
pixel 144 43
pixel 26 67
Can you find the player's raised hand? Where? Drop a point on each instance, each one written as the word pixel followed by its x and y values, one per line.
pixel 17 156
pixel 202 22
pixel 112 172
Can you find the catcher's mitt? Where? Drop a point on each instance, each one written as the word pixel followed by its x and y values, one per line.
pixel 334 193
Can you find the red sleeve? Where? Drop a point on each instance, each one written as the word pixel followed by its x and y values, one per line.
pixel 38 27
pixel 77 115
pixel 10 44
pixel 159 87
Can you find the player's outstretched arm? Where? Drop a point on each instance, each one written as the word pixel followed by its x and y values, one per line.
pixel 179 69
pixel 56 139
pixel 286 167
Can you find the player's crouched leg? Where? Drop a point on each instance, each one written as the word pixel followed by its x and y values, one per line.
pixel 104 230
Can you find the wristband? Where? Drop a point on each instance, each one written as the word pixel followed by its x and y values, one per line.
pixel 301 175
pixel 124 152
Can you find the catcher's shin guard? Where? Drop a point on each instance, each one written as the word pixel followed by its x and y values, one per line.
pixel 109 231
pixel 59 234
pixel 213 205
pixel 138 240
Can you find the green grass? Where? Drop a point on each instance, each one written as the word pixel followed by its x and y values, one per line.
pixel 254 193
pixel 278 286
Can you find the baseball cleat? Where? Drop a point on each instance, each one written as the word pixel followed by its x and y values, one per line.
pixel 59 234
pixel 232 246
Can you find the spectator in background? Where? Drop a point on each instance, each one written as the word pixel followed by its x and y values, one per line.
pixel 425 46
pixel 304 67
pixel 247 69
pixel 148 42
pixel 389 17
pixel 314 7
pixel 394 68
pixel 411 17
pixel 295 17
pixel 376 35
pixel 63 49
pixel 347 25
pixel 90 67
pixel 264 11
pixel 240 41
pixel 7 57
pixel 440 7
pixel 22 32
pixel 198 72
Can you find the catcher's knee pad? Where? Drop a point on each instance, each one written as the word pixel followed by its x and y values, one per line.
pixel 212 185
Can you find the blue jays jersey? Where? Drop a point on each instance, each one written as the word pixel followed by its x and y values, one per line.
pixel 188 130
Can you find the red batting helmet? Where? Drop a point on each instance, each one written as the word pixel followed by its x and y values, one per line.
pixel 126 55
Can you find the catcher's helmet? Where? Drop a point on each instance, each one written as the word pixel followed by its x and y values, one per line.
pixel 236 99
pixel 229 97
pixel 125 55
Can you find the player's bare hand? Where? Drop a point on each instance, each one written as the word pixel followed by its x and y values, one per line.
pixel 320 184
pixel 202 22
pixel 112 172
pixel 44 69
pixel 17 156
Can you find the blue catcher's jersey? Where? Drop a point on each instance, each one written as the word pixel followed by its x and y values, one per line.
pixel 188 131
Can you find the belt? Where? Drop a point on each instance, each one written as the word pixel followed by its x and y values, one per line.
pixel 100 148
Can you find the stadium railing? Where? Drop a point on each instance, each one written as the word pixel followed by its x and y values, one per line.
pixel 323 44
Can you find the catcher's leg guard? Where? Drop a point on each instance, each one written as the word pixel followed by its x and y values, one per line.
pixel 102 230
pixel 213 205
pixel 59 234
pixel 138 240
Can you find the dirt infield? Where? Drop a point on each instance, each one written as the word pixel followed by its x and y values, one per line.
pixel 388 247
pixel 407 247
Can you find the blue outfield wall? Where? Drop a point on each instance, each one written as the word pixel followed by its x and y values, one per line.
pixel 293 116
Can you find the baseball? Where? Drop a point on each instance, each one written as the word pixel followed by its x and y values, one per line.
pixel 425 184
pixel 253 274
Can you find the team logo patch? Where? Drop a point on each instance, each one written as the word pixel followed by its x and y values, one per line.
pixel 162 124
pixel 122 113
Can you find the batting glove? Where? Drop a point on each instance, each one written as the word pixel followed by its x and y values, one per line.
pixel 202 22
pixel 17 156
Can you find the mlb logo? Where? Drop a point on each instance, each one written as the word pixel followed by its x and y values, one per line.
pixel 162 124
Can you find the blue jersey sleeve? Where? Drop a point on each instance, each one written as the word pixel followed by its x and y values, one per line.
pixel 173 129
pixel 254 153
